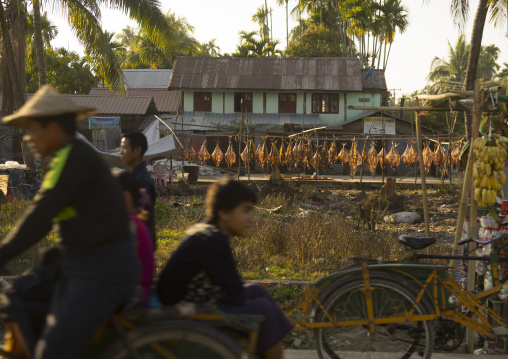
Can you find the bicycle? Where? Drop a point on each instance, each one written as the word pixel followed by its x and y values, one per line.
pixel 390 309
pixel 184 332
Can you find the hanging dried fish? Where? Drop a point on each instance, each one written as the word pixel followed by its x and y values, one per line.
pixel 324 156
pixel 343 155
pixel 355 159
pixel 372 159
pixel 410 157
pixel 382 160
pixel 300 152
pixel 203 154
pixel 217 155
pixel 317 160
pixel 274 156
pixel 439 158
pixel 189 153
pixel 262 155
pixel 230 156
pixel 309 152
pixel 282 152
pixel 289 159
pixel 456 155
pixel 393 157
pixel 332 154
pixel 428 157
pixel 249 153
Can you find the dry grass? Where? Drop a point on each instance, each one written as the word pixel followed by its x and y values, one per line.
pixel 291 244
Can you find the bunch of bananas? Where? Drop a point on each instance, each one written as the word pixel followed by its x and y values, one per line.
pixel 489 177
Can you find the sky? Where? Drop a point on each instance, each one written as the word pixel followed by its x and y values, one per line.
pixel 430 28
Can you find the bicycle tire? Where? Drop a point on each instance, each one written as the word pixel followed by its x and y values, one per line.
pixel 391 296
pixel 182 339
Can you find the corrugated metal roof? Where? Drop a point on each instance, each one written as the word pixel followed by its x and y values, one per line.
pixel 166 101
pixel 375 82
pixel 269 74
pixel 205 121
pixel 166 118
pixel 147 78
pixel 115 105
pixel 110 105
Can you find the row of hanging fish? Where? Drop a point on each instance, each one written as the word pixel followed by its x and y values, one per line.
pixel 302 152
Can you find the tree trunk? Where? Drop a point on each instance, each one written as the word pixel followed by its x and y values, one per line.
pixel 287 23
pixel 39 46
pixel 266 17
pixel 474 54
pixel 19 99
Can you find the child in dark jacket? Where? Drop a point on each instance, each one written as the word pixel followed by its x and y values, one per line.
pixel 202 269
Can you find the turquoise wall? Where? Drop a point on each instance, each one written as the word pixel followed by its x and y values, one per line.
pixel 257 102
pixel 272 102
pixel 217 102
pixel 229 106
pixel 188 101
pixel 353 99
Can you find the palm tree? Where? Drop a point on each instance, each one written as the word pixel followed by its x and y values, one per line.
pixel 84 18
pixel 260 17
pixel 38 41
pixel 49 32
pixel 210 48
pixel 252 47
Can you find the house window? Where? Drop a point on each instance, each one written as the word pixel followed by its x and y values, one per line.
pixel 287 103
pixel 247 101
pixel 203 101
pixel 325 103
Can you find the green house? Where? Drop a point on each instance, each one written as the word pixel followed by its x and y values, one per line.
pixel 274 91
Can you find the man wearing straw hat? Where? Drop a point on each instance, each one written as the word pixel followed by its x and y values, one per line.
pixel 96 268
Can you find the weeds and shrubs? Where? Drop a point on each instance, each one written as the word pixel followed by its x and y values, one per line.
pixel 290 244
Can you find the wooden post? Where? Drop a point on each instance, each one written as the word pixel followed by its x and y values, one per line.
pixel 422 171
pixel 471 269
pixel 465 186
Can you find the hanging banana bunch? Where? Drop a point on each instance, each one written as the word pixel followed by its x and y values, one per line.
pixel 189 153
pixel 393 157
pixel 372 159
pixel 355 159
pixel 289 157
pixel 332 154
pixel 282 152
pixel 249 153
pixel 428 157
pixel 439 157
pixel 274 156
pixel 343 155
pixel 488 171
pixel 230 156
pixel 455 155
pixel 203 154
pixel 410 157
pixel 217 155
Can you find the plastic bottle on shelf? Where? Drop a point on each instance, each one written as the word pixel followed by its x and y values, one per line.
pixel 487 282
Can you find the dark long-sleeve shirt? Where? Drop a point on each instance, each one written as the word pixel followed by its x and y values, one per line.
pixel 80 195
pixel 204 256
pixel 146 182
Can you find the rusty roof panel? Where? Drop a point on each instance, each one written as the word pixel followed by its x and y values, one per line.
pixel 165 101
pixel 270 74
pixel 375 82
pixel 115 105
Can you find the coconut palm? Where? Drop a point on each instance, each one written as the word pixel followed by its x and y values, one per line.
pixel 84 18
pixel 38 41
pixel 250 46
pixel 49 32
pixel 260 17
pixel 210 48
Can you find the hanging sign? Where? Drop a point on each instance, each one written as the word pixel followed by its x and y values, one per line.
pixel 379 126
pixel 103 123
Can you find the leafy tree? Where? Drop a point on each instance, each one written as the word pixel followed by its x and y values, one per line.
pixel 210 48
pixel 317 41
pixel 66 71
pixel 49 32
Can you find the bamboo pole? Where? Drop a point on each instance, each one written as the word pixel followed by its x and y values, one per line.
pixel 471 270
pixel 422 171
pixel 465 191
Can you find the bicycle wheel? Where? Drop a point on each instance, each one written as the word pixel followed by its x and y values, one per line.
pixel 177 339
pixel 449 335
pixel 391 297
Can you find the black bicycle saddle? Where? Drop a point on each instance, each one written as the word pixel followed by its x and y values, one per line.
pixel 416 242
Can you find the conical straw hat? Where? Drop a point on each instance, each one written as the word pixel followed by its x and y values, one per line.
pixel 47 102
